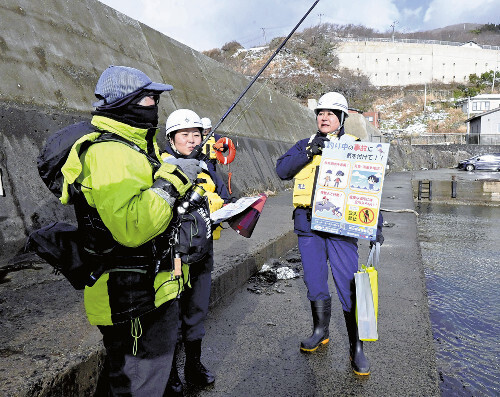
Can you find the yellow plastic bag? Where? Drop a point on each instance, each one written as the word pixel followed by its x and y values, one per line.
pixel 366 281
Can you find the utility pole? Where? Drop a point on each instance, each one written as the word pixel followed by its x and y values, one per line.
pixel 425 96
pixel 494 76
pixel 264 34
pixel 320 15
pixel 393 26
pixel 468 116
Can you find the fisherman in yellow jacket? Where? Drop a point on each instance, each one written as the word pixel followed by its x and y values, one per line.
pixel 125 202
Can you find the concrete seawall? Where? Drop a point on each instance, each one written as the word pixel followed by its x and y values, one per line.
pixel 51 56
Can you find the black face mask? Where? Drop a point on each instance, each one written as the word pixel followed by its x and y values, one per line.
pixel 141 114
pixel 134 114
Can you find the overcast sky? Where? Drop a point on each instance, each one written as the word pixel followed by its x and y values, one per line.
pixel 206 24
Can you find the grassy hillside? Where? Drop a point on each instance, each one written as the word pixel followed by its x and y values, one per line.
pixel 308 66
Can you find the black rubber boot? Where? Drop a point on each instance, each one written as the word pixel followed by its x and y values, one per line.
pixel 359 362
pixel 194 371
pixel 321 313
pixel 174 385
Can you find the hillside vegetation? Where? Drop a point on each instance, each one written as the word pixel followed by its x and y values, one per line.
pixel 308 66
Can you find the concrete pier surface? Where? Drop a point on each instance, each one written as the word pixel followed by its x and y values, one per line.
pixel 252 341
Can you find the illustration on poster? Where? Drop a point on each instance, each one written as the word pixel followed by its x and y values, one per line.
pixel 333 171
pixel 329 204
pixel 328 178
pixel 349 188
pixel 366 180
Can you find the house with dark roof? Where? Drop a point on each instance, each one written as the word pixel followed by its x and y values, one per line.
pixel 484 128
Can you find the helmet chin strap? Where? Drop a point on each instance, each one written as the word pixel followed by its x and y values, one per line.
pixel 172 145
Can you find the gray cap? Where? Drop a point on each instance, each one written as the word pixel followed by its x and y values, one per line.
pixel 117 82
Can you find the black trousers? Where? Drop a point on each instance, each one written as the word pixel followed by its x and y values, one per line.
pixel 146 372
pixel 194 306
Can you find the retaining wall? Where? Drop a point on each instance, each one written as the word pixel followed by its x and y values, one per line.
pixel 400 64
pixel 52 53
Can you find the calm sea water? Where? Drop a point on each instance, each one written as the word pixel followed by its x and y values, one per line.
pixel 461 252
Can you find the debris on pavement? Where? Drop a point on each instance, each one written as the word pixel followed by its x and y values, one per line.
pixel 267 279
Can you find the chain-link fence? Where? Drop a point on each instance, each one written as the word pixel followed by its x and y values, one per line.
pixel 483 139
pixel 448 139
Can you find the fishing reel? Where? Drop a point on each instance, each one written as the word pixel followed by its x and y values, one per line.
pixel 194 197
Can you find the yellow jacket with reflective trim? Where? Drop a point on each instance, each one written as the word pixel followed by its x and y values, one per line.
pixel 116 181
pixel 208 148
pixel 304 179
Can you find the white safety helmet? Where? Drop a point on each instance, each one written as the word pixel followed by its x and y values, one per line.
pixel 205 121
pixel 182 118
pixel 332 101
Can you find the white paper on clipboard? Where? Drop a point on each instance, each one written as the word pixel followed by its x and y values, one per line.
pixel 232 209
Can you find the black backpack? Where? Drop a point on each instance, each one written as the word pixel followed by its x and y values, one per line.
pixel 55 152
pixel 58 146
pixel 60 244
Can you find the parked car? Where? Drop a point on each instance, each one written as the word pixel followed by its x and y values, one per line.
pixel 487 161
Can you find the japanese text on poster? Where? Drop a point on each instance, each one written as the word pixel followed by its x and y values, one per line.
pixel 349 188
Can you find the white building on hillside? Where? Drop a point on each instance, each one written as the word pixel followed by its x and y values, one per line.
pixel 416 62
pixel 479 103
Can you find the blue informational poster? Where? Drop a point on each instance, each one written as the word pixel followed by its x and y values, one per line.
pixel 348 188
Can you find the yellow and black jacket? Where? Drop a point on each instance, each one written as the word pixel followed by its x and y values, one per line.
pixel 124 220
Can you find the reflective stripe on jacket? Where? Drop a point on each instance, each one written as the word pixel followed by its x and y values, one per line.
pixel 296 164
pixel 208 148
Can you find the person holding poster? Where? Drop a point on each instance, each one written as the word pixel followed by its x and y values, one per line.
pixel 318 248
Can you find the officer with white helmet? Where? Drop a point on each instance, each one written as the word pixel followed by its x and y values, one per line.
pixel 207 125
pixel 317 249
pixel 184 130
pixel 212 146
pixel 334 101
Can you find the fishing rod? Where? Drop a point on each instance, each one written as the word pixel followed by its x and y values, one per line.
pixel 197 150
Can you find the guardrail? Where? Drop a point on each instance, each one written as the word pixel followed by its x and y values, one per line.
pixel 448 139
pixel 417 41
pixel 483 139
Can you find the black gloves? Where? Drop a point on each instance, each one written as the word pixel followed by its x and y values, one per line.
pixel 221 147
pixel 380 239
pixel 316 146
